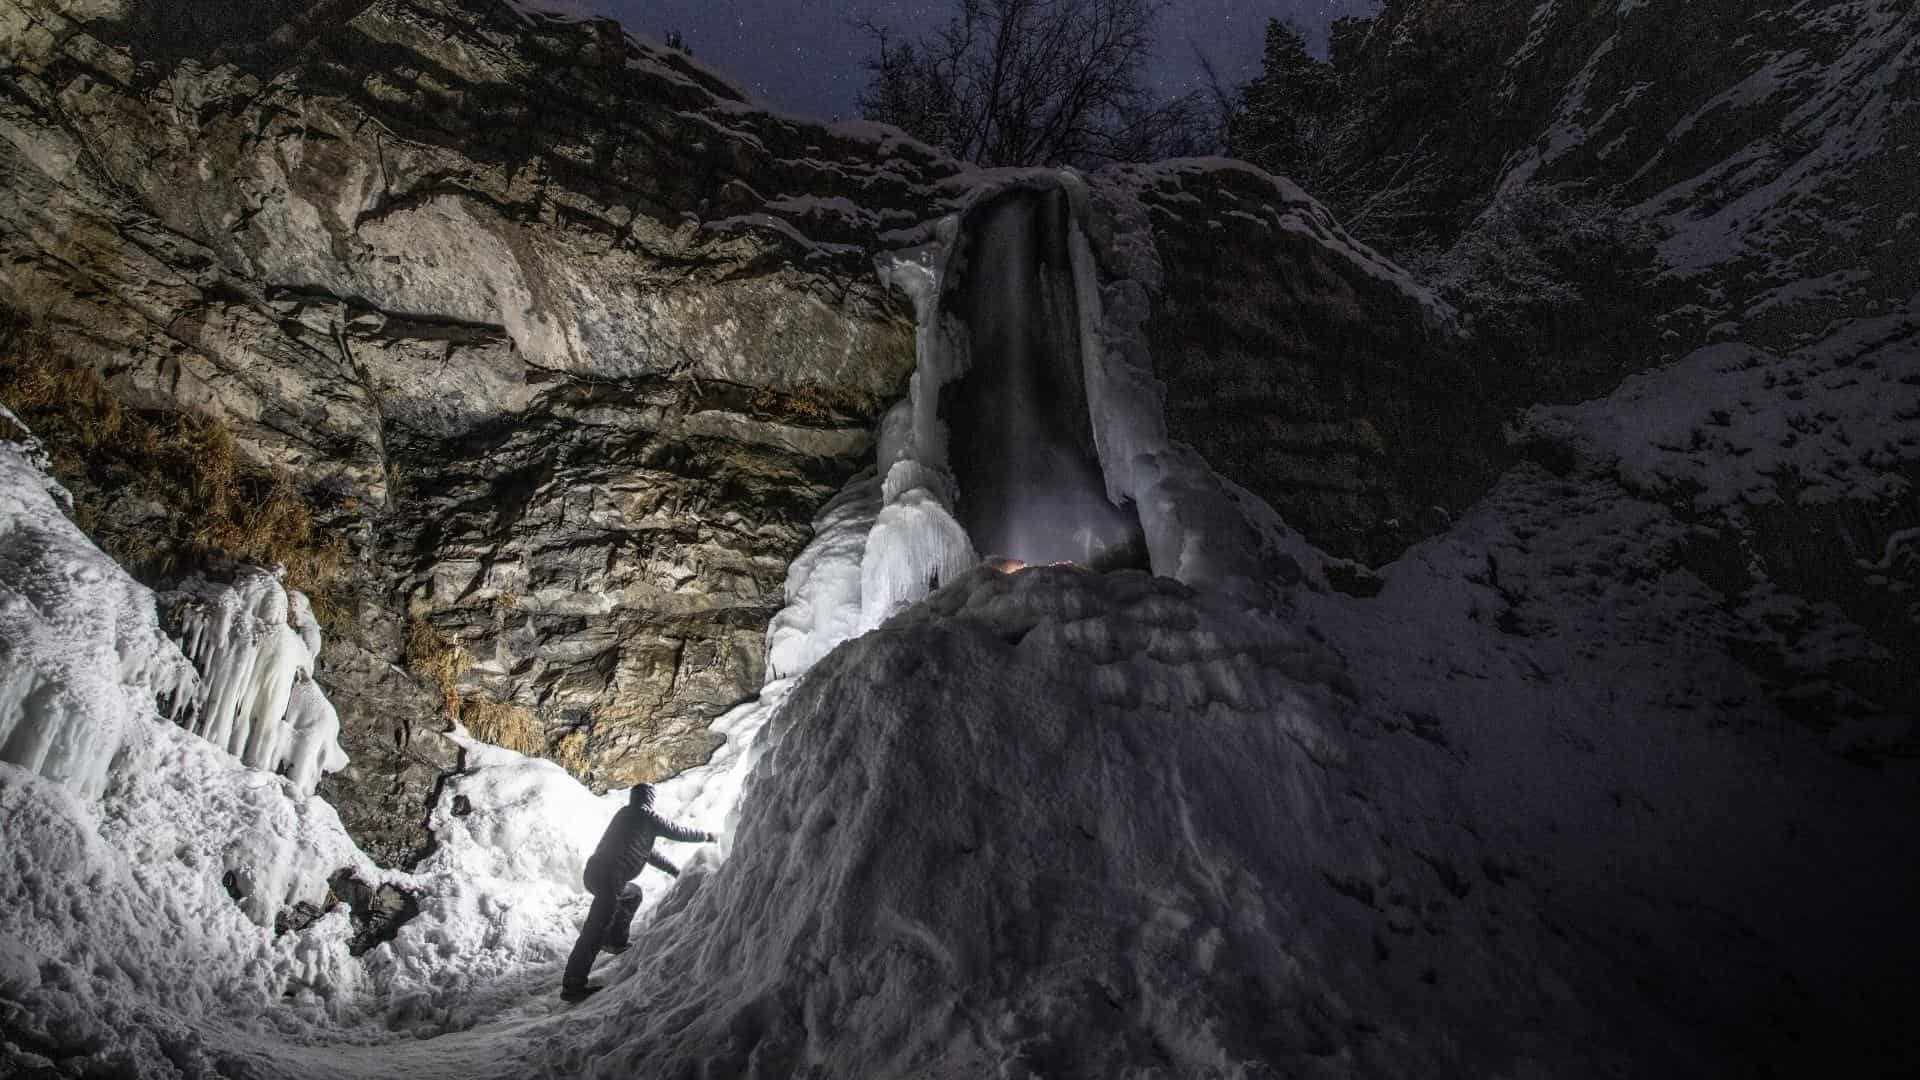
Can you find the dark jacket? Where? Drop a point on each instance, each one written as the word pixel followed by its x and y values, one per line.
pixel 627 847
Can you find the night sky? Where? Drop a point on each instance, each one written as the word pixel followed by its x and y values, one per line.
pixel 805 56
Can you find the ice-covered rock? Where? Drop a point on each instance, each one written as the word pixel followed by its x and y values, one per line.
pixel 85 668
pixel 257 645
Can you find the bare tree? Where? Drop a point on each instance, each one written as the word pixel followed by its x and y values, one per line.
pixel 1032 82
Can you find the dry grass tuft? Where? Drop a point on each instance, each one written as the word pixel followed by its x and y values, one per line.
pixel 438 661
pixel 506 725
pixel 215 503
pixel 805 405
pixel 570 752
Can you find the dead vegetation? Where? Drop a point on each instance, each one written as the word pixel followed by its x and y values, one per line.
pixel 436 661
pixel 209 502
pixel 809 406
pixel 511 726
pixel 439 662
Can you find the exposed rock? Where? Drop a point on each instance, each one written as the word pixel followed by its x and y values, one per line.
pixel 397 753
pixel 1327 385
pixel 573 339
pixel 297 917
pixel 377 913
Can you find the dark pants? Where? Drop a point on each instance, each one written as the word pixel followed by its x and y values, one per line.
pixel 608 922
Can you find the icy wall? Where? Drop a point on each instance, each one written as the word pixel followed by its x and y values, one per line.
pixel 83 662
pixel 255 643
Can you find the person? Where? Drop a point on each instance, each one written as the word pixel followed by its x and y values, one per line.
pixel 624 850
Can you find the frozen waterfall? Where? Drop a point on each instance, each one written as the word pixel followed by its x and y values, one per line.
pixel 1033 427
pixel 1020 431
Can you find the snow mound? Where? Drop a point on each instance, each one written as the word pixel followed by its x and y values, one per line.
pixel 1060 823
pixel 83 661
pixel 138 925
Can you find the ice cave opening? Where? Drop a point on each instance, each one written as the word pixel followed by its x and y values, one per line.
pixel 1020 432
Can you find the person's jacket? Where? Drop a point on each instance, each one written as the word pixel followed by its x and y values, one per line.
pixel 627 847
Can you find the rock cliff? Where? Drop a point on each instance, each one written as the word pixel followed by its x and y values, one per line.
pixel 562 342
pixel 562 336
pixel 1605 192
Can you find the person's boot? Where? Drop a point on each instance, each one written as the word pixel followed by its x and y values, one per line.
pixel 580 993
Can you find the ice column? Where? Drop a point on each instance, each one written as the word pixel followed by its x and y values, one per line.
pixel 915 544
pixel 255 643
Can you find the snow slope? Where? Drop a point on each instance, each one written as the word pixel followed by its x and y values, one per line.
pixel 1059 823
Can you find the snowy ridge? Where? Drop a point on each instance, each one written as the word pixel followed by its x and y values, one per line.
pixel 1769 167
pixel 1844 108
pixel 256 644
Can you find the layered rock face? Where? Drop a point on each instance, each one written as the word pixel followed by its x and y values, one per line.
pixel 1332 387
pixel 568 340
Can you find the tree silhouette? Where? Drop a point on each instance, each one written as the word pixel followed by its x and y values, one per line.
pixel 1032 82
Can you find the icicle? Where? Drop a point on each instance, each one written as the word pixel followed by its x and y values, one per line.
pixel 823 584
pixel 915 547
pixel 255 644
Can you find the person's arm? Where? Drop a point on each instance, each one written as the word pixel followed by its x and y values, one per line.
pixel 661 861
pixel 680 832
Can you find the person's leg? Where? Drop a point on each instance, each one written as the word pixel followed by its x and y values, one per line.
pixel 592 932
pixel 622 924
